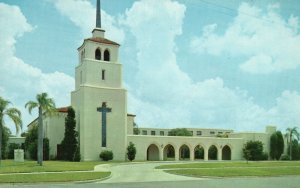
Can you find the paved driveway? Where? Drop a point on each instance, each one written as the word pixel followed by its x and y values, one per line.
pixel 140 172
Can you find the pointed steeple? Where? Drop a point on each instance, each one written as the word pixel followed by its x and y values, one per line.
pixel 98 14
pixel 98 31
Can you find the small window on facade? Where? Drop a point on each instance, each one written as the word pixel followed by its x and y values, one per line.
pixel 199 133
pixel 152 132
pixel 212 132
pixel 82 56
pixel 220 132
pixel 103 74
pixel 144 132
pixel 106 55
pixel 162 133
pixel 192 133
pixel 98 54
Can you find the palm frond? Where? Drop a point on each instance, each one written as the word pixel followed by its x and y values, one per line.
pixel 42 98
pixel 51 108
pixel 3 104
pixel 15 115
pixel 31 105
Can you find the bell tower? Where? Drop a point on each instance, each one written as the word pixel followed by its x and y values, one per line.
pixel 98 80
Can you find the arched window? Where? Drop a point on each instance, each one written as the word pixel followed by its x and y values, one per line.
pixel 98 54
pixel 106 55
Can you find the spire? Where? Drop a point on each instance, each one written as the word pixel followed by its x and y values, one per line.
pixel 98 31
pixel 98 15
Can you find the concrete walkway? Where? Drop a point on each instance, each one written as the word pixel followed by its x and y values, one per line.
pixel 139 172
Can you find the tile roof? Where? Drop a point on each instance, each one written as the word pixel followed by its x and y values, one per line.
pixel 102 40
pixel 63 109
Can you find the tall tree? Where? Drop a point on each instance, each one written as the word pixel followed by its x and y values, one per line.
pixel 292 134
pixel 70 143
pixel 12 113
pixel 276 145
pixel 45 106
pixel 6 133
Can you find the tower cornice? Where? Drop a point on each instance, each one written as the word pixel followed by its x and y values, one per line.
pixel 100 41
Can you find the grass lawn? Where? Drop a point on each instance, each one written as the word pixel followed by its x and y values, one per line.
pixel 234 169
pixel 9 166
pixel 52 177
pixel 231 164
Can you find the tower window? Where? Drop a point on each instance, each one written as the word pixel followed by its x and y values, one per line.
pixel 103 74
pixel 98 54
pixel 82 55
pixel 106 55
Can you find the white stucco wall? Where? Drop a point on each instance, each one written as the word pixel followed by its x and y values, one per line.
pixel 130 122
pixel 204 132
pixel 54 129
pixel 143 142
pixel 16 140
pixel 90 92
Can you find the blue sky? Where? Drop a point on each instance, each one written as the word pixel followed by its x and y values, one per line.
pixel 186 63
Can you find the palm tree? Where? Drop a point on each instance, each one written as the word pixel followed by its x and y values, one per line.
pixel 292 134
pixel 12 113
pixel 45 106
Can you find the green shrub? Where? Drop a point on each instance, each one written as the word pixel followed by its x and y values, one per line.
pixel 46 149
pixel 5 135
pixel 285 157
pixel 180 132
pixel 131 151
pixel 264 157
pixel 31 145
pixel 11 150
pixel 106 155
pixel 295 150
pixel 253 151
pixel 77 156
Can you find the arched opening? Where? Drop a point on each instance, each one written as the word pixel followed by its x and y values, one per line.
pixel 184 152
pixel 98 54
pixel 226 153
pixel 169 153
pixel 106 55
pixel 199 153
pixel 213 153
pixel 152 153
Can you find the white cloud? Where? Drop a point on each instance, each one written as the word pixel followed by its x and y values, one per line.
pixel 20 82
pixel 162 95
pixel 83 14
pixel 287 109
pixel 268 41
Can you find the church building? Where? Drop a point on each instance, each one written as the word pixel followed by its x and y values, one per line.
pixel 103 123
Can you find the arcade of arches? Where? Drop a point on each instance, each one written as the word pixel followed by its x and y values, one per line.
pixel 185 152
